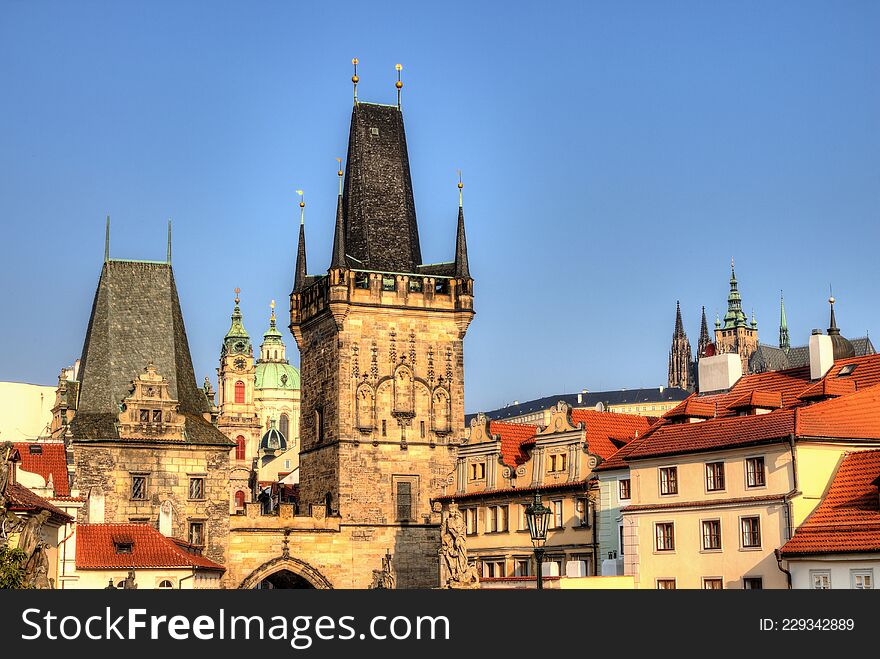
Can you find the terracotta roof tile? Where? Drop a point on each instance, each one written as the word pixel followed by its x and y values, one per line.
pixel 51 459
pixel 95 549
pixel 828 387
pixel 513 438
pixel 607 430
pixel 756 398
pixel 856 416
pixel 848 519
pixel 692 407
pixel 22 499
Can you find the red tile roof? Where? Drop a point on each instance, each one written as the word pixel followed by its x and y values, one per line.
pixel 850 413
pixel 848 519
pixel 606 431
pixel 856 416
pixel 513 437
pixel 21 499
pixel 96 549
pixel 692 407
pixel 52 459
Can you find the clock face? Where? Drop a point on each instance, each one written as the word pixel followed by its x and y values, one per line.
pixel 240 363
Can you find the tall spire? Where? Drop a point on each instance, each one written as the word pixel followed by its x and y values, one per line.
pixel 680 363
pixel 734 316
pixel 168 257
pixel 237 340
pixel 399 83
pixel 337 258
pixel 679 326
pixel 107 241
pixel 784 340
pixel 299 277
pixel 355 79
pixel 461 256
pixel 704 336
pixel 832 328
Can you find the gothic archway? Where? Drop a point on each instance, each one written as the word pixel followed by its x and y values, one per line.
pixel 286 572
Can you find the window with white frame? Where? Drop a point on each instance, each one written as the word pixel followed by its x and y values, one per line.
pixel 665 535
pixel 496 519
pixel 556 516
pixel 665 584
pixel 668 480
pixel 522 567
pixel 714 476
pixel 753 583
pixel 582 508
pixel 862 579
pixel 820 579
pixel 713 583
pixel 711 534
pixel 755 473
pixel 470 516
pixel 493 568
pixel 751 532
pixel 523 522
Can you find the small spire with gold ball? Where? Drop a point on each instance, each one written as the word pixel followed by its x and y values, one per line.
pixel 460 187
pixel 302 207
pixel 354 78
pixel 339 173
pixel 399 83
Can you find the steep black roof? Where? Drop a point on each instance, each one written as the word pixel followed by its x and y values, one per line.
pixel 588 400
pixel 770 358
pixel 381 232
pixel 136 319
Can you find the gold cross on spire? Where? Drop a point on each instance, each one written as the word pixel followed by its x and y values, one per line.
pixel 237 291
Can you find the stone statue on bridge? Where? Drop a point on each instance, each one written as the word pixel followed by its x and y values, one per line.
pixel 455 569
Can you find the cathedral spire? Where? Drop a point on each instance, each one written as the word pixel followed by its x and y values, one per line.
pixel 337 258
pixel 833 329
pixel 704 336
pixel 107 241
pixel 680 363
pixel 734 316
pixel 461 256
pixel 168 254
pixel 784 340
pixel 300 276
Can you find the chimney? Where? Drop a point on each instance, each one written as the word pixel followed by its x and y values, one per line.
pixel 821 354
pixel 720 372
pixel 580 398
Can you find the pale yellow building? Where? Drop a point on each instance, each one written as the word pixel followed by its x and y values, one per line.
pixel 25 410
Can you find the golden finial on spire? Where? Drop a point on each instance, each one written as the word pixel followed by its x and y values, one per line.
pixel 237 291
pixel 272 306
pixel 302 207
pixel 399 83
pixel 355 78
pixel 460 186
pixel 339 173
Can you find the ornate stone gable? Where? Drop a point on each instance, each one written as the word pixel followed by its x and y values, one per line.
pixel 149 411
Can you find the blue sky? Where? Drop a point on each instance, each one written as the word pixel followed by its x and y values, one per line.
pixel 615 156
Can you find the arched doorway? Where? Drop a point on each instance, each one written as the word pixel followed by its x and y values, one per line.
pixel 285 572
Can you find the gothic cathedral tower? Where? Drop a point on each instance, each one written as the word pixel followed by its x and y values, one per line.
pixel 381 344
pixel 680 362
pixel 737 334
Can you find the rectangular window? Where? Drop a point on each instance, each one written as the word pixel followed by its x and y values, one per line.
pixel 862 579
pixel 665 532
pixel 582 507
pixel 496 519
pixel 361 280
pixel 821 579
pixel 404 501
pixel 624 488
pixel 668 480
pixel 157 416
pixel 493 569
pixel 751 531
pixel 556 462
pixel 478 471
pixel 384 428
pixel 522 567
pixel 145 416
pixel 753 583
pixel 755 472
pixel 713 583
pixel 197 533
pixel 138 487
pixel 620 538
pixel 712 534
pixel 556 519
pixel 665 584
pixel 523 523
pixel 422 429
pixel 441 287
pixel 470 515
pixel 319 423
pixel 389 283
pixel 196 488
pixel 714 476
pixel 415 285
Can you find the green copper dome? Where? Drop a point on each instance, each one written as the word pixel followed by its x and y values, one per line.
pixel 277 375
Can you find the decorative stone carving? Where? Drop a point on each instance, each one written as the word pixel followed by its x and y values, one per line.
pixel 455 569
pixel 384 578
pixel 150 412
pixel 36 569
pixel 29 537
pixel 560 420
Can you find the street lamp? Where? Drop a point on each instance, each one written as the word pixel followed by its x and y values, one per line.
pixel 538 517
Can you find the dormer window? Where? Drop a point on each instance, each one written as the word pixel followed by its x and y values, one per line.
pixel 123 547
pixel 846 370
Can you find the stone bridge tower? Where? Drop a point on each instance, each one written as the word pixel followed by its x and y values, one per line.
pixel 381 344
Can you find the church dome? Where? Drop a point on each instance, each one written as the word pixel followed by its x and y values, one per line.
pixel 273 440
pixel 277 375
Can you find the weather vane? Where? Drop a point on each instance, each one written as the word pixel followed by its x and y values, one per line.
pixel 237 291
pixel 399 83
pixel 302 207
pixel 460 186
pixel 339 173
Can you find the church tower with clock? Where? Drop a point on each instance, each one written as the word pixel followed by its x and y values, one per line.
pixel 238 418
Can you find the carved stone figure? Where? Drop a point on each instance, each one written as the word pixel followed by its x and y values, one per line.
pixel 129 583
pixel 384 578
pixel 455 569
pixel 30 533
pixel 36 569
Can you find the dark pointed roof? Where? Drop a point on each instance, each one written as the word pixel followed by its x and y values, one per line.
pixel 679 326
pixel 704 336
pixel 337 258
pixel 299 276
pixel 380 216
pixel 461 255
pixel 135 320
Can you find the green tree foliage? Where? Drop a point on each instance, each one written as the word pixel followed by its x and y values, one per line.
pixel 12 568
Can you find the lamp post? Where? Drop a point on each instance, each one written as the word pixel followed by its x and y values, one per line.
pixel 537 517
